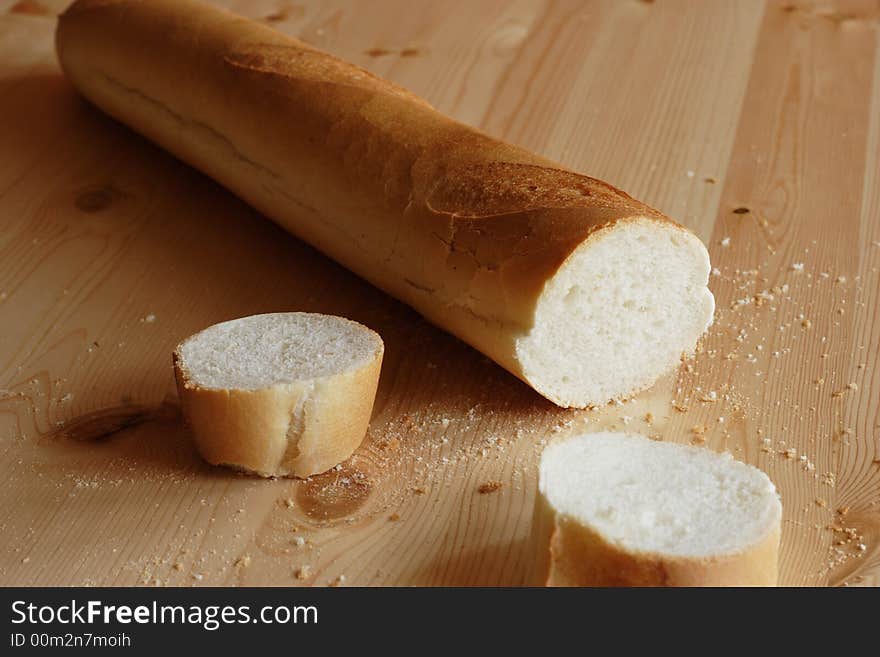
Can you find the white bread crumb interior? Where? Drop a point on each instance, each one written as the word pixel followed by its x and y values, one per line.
pixel 657 497
pixel 618 314
pixel 264 350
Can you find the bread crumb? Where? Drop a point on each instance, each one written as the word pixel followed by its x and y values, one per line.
pixel 299 541
pixel 797 266
pixel 339 581
pixel 649 417
pixel 177 565
pixel 820 502
pixel 394 517
pixel 418 490
pixel 489 487
pixel 806 323
pixel 725 242
pixel 243 561
pixel 289 503
pixel 302 572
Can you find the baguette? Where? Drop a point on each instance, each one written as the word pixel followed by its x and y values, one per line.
pixel 623 510
pixel 280 394
pixel 579 290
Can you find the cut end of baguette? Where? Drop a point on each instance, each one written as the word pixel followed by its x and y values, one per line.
pixel 280 394
pixel 656 497
pixel 619 313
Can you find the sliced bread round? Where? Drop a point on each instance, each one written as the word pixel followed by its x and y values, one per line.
pixel 623 510
pixel 279 394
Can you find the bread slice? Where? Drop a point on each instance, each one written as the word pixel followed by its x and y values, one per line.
pixel 279 394
pixel 623 510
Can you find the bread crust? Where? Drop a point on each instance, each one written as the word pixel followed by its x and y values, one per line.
pixel 571 554
pixel 295 429
pixel 581 557
pixel 463 227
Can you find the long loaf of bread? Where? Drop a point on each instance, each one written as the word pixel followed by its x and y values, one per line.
pixel 582 292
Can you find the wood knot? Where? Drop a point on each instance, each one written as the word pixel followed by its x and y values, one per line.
pixel 97 199
pixel 102 425
pixel 335 494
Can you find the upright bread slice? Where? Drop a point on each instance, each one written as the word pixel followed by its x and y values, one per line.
pixel 623 510
pixel 279 394
pixel 581 291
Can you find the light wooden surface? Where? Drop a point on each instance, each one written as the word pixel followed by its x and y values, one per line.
pixel 756 124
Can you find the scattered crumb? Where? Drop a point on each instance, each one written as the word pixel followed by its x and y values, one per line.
pixel 699 433
pixel 289 503
pixel 299 541
pixel 725 241
pixel 339 581
pixel 418 490
pixel 820 502
pixel 489 487
pixel 797 266
pixel 302 572
pixel 242 562
pixel 394 517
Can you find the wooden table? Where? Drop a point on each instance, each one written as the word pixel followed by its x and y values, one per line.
pixel 756 124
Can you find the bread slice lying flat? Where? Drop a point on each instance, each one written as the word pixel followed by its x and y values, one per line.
pixel 623 510
pixel 279 394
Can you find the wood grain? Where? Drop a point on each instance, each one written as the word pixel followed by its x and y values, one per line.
pixel 756 124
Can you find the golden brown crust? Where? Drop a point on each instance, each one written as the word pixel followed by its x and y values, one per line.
pixel 463 227
pixel 578 556
pixel 293 429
